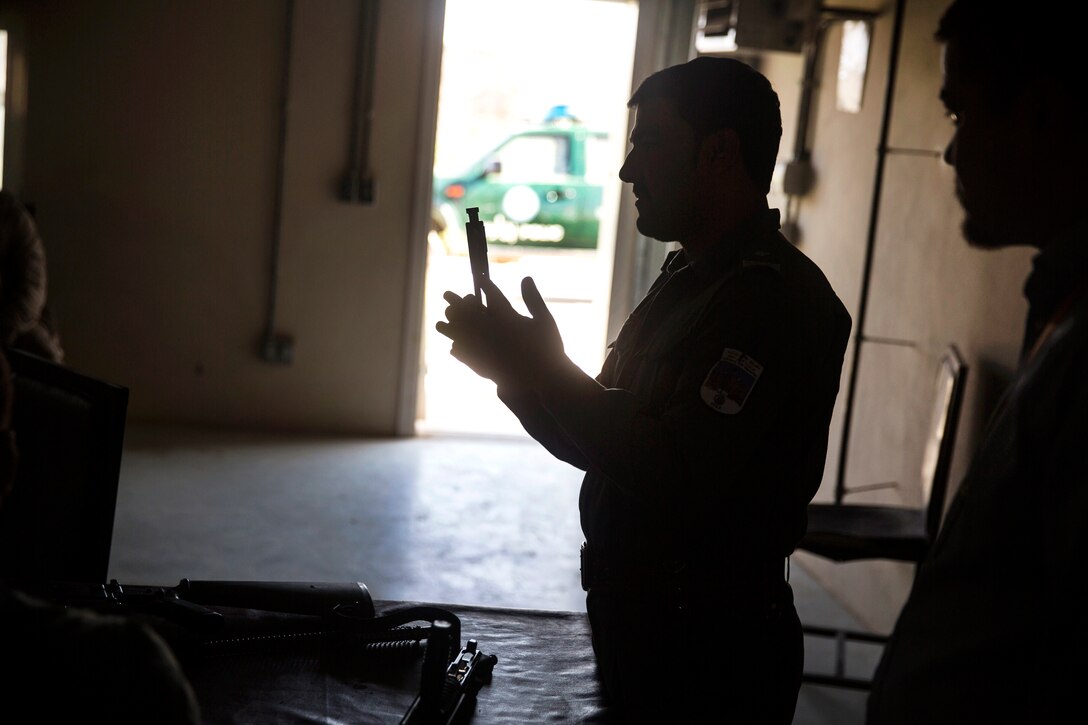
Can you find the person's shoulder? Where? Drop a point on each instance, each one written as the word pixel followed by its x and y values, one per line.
pixel 1065 355
pixel 801 268
pixel 1050 391
pixel 801 283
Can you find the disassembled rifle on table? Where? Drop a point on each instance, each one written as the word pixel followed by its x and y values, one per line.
pixel 450 678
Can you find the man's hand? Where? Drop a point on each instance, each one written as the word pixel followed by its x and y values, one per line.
pixel 498 343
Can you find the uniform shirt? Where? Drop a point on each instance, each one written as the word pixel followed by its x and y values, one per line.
pixel 996 625
pixel 708 439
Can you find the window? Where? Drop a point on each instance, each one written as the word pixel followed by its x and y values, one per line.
pixel 533 159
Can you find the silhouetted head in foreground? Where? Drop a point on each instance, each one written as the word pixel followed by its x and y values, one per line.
pixel 1014 88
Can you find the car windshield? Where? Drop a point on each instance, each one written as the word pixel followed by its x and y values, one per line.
pixel 533 158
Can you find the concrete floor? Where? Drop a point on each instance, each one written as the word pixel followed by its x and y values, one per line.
pixel 464 520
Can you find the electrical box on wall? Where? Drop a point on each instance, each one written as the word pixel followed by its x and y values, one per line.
pixel 778 25
pixel 726 26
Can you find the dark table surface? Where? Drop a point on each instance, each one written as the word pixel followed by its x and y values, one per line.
pixel 266 669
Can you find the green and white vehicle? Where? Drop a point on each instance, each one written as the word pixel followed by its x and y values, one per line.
pixel 541 187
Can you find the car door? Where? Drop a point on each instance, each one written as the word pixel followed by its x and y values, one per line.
pixel 589 163
pixel 527 195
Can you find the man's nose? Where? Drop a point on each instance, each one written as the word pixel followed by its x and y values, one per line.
pixel 625 170
pixel 949 155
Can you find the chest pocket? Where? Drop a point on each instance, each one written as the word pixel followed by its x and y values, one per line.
pixel 681 321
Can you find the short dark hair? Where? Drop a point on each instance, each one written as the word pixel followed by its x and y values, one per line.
pixel 713 93
pixel 1005 51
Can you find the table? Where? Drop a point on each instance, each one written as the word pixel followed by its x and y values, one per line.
pixel 267 670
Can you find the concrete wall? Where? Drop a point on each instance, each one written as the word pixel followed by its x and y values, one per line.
pixel 151 148
pixel 927 287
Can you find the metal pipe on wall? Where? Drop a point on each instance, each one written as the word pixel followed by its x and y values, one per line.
pixel 358 184
pixel 277 347
pixel 870 243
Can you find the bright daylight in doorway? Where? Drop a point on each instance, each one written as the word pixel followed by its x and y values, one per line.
pixel 532 120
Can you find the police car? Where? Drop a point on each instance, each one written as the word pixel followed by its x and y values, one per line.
pixel 540 187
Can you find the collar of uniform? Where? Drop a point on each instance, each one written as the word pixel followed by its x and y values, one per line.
pixel 745 237
pixel 1057 271
pixel 674 260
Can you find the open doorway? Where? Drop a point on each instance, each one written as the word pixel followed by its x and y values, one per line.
pixel 531 130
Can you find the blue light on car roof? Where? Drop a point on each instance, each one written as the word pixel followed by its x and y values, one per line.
pixel 559 113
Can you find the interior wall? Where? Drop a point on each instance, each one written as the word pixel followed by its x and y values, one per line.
pixel 833 217
pixel 927 289
pixel 151 147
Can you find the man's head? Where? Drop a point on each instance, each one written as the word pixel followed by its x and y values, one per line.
pixel 1013 88
pixel 705 142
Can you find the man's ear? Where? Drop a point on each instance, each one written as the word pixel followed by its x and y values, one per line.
pixel 1051 120
pixel 1059 112
pixel 720 149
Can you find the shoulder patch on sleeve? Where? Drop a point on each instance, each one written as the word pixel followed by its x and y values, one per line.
pixel 761 259
pixel 730 381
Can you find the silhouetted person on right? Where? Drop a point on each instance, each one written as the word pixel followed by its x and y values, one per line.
pixel 996 627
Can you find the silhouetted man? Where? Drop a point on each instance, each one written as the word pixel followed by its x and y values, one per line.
pixel 995 628
pixel 703 437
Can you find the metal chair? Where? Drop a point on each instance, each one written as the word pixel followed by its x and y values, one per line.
pixel 846 532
